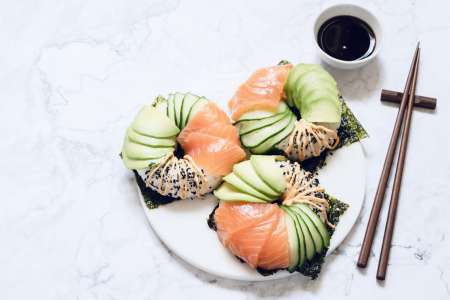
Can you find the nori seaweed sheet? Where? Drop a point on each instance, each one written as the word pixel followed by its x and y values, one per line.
pixel 152 199
pixel 349 132
pixel 211 221
pixel 313 267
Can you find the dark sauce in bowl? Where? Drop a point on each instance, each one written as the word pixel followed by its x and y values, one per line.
pixel 346 38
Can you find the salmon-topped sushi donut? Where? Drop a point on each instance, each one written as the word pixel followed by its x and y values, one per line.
pixel 182 146
pixel 296 109
pixel 273 215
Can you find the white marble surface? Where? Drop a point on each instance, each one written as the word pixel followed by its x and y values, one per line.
pixel 73 73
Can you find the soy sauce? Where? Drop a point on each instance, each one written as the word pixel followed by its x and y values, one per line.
pixel 346 38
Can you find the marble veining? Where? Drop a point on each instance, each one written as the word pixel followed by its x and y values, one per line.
pixel 73 73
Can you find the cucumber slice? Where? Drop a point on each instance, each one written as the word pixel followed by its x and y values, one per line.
pixel 171 108
pixel 140 152
pixel 269 172
pixel 244 170
pixel 321 227
pixel 148 140
pixel 257 137
pixel 178 102
pixel 310 249
pixel 188 101
pixel 249 126
pixel 262 114
pixel 293 241
pixel 315 234
pixel 151 122
pixel 275 139
pixel 133 164
pixel 226 192
pixel 244 187
pixel 198 105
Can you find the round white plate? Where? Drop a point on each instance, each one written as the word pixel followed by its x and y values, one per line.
pixel 182 226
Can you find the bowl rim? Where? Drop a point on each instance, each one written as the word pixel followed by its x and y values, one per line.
pixel 377 31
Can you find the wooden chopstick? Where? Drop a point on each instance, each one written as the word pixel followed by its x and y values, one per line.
pixel 385 248
pixel 381 190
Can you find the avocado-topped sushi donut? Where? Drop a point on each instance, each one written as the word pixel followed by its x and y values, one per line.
pixel 274 215
pixel 263 109
pixel 181 146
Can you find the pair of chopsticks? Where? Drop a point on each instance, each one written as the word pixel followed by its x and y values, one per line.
pixel 407 104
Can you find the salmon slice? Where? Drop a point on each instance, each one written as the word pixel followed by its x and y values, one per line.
pixel 248 244
pixel 232 217
pixel 208 115
pixel 224 131
pixel 215 155
pixel 255 233
pixel 275 253
pixel 262 91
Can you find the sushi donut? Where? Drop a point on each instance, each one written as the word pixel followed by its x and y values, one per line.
pixel 296 109
pixel 181 146
pixel 273 214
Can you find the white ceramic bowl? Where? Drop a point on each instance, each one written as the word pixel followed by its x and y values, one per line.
pixel 348 10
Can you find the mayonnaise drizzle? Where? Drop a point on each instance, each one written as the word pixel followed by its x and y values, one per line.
pixel 301 189
pixel 308 138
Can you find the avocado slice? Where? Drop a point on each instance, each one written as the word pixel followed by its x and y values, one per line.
pixel 198 105
pixel 300 236
pixel 269 172
pixel 314 77
pixel 171 108
pixel 294 74
pixel 313 86
pixel 262 114
pixel 257 137
pixel 315 234
pixel 244 170
pixel 310 249
pixel 305 85
pixel 306 93
pixel 293 240
pixel 322 111
pixel 151 122
pixel 244 187
pixel 321 227
pixel 249 126
pixel 140 152
pixel 226 192
pixel 274 140
pixel 326 91
pixel 136 164
pixel 188 101
pixel 148 140
pixel 178 102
